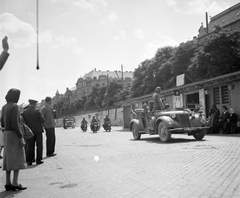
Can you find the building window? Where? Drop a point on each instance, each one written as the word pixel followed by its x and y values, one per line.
pixel 216 95
pixel 221 95
pixel 225 94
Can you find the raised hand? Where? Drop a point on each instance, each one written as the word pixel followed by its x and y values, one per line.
pixel 5 44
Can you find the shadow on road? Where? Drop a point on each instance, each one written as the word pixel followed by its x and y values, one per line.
pixel 173 140
pixel 8 194
pixel 122 130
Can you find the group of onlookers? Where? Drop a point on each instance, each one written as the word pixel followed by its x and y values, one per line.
pixel 18 152
pixel 224 122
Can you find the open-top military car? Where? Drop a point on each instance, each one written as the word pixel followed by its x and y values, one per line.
pixel 168 122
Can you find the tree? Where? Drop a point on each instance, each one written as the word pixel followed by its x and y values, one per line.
pixel 162 66
pixel 140 79
pixel 182 57
pixel 219 55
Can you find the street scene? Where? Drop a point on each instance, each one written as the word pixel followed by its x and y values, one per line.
pixel 115 99
pixel 113 164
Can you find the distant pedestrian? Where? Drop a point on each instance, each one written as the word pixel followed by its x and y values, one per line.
pixel 34 120
pixel 14 155
pixel 49 125
pixel 232 121
pixel 214 114
pixel 222 123
pixel 4 55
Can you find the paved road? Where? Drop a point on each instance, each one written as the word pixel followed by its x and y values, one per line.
pixel 127 168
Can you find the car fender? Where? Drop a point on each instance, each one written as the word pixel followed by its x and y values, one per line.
pixel 168 121
pixel 137 122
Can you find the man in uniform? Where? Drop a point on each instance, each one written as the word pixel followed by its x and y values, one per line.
pixel 34 120
pixel 49 125
pixel 93 121
pixel 106 120
pixel 83 122
pixel 158 104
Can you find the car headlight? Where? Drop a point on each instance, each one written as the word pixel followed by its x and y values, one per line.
pixel 173 116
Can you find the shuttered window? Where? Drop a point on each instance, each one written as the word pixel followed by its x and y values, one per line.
pixel 216 96
pixel 221 95
pixel 225 94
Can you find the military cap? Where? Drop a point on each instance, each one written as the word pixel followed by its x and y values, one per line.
pixel 31 101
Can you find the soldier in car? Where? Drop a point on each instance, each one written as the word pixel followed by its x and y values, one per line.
pixel 158 103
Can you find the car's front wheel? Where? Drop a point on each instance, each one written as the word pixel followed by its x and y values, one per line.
pixel 135 132
pixel 164 133
pixel 199 135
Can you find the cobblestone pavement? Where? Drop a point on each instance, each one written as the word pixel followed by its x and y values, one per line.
pixel 183 168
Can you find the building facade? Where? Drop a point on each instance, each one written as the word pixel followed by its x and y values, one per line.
pixel 229 19
pixel 85 84
pixel 222 90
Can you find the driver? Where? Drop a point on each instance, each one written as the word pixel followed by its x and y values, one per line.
pixel 145 116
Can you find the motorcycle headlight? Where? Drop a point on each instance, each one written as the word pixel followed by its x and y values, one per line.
pixel 173 116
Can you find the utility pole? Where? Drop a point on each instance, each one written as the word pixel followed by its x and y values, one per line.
pixel 122 74
pixel 69 103
pixel 107 97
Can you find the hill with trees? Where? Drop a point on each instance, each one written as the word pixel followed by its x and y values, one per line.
pixel 217 55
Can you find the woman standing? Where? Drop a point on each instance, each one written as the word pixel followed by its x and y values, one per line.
pixel 14 156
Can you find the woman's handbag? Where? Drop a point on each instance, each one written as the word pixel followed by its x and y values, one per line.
pixel 27 132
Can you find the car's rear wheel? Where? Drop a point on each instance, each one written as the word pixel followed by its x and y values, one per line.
pixel 199 135
pixel 164 133
pixel 135 132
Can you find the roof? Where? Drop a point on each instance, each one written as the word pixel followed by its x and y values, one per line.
pixel 111 74
pixel 227 78
pixel 230 9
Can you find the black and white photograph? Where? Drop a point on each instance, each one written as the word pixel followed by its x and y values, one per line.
pixel 119 98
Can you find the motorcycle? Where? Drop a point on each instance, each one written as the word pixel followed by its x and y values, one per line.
pixel 98 126
pixel 94 127
pixel 84 127
pixel 107 126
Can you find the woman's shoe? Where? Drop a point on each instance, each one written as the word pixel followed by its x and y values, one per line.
pixel 8 187
pixel 19 187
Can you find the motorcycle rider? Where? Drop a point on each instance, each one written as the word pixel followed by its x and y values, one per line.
pixel 84 121
pixel 106 120
pixel 99 123
pixel 94 120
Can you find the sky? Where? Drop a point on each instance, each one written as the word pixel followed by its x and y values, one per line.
pixel 77 36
